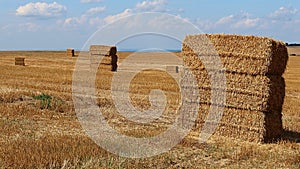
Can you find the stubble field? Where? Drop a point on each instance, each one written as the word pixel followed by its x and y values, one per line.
pixel 39 127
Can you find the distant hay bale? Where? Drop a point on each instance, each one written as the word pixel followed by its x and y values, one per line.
pixel 103 50
pixel 70 52
pixel 254 90
pixel 172 69
pixel 20 61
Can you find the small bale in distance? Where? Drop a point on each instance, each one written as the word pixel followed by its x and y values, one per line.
pixel 70 52
pixel 20 61
pixel 172 69
pixel 103 50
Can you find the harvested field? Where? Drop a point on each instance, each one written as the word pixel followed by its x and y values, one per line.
pixel 34 134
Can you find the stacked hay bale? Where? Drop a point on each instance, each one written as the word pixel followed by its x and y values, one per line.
pixel 172 69
pixel 20 61
pixel 255 90
pixel 103 50
pixel 107 52
pixel 70 52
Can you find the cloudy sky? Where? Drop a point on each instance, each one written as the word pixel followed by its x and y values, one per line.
pixel 60 24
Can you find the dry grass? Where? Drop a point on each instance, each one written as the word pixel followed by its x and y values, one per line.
pixel 32 137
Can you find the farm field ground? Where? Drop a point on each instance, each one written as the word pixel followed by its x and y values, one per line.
pixel 294 50
pixel 39 127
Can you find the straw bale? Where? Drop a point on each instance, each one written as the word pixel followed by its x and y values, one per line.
pixel 172 69
pixel 254 89
pixel 20 61
pixel 70 52
pixel 246 125
pixel 243 83
pixel 271 129
pixel 233 63
pixel 242 91
pixel 103 50
pixel 241 100
pixel 267 56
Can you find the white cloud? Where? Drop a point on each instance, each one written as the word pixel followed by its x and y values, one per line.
pixel 74 21
pixel 283 18
pixel 93 11
pixel 98 22
pixel 246 23
pixel 165 22
pixel 41 9
pixel 90 1
pixel 95 21
pixel 30 27
pixel 204 24
pixel 112 18
pixel 225 20
pixel 85 19
pixel 88 17
pixel 156 5
pixel 284 13
pixel 238 21
pixel 145 6
pixel 71 21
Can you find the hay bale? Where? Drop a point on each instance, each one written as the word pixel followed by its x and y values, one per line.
pixel 20 61
pixel 103 50
pixel 265 55
pixel 172 69
pixel 254 89
pixel 244 125
pixel 70 52
pixel 244 83
pixel 242 91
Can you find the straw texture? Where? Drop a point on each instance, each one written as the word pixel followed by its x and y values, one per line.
pixel 20 61
pixel 255 126
pixel 243 54
pixel 103 50
pixel 255 90
pixel 71 52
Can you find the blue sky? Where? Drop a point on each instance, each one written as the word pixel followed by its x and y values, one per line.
pixel 60 24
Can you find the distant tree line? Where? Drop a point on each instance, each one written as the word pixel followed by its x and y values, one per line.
pixel 292 44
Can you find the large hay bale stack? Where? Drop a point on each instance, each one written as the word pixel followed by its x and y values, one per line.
pixel 70 52
pixel 255 90
pixel 20 61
